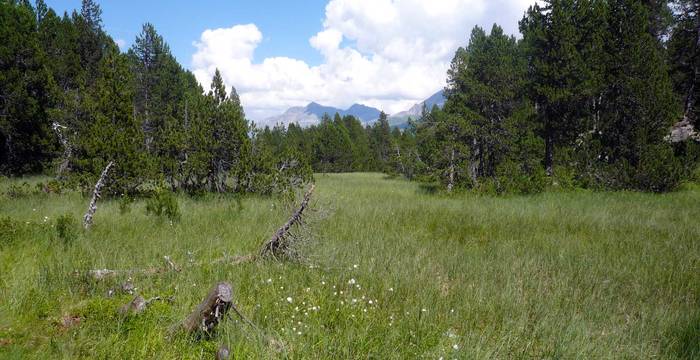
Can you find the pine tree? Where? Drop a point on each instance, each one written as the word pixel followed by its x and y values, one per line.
pixel 26 139
pixel 639 106
pixel 562 45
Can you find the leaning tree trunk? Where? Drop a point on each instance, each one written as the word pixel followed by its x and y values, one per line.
pixel 277 245
pixel 87 219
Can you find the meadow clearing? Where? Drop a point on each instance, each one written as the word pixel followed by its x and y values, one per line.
pixel 390 271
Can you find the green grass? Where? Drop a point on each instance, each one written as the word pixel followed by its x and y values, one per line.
pixel 557 275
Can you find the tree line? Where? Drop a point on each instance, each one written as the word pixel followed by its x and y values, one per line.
pixel 586 98
pixel 72 101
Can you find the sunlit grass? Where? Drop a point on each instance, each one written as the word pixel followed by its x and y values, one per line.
pixel 392 272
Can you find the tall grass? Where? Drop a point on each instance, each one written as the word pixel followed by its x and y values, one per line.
pixel 392 272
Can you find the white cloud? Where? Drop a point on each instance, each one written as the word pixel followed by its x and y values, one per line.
pixel 398 55
pixel 121 43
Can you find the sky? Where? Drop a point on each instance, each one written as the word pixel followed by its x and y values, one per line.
pixel 390 54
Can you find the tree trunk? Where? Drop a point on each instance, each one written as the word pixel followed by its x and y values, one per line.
pixel 473 164
pixel 451 175
pixel 87 219
pixel 277 245
pixel 549 151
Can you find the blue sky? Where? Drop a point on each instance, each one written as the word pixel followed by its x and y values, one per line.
pixel 389 54
pixel 287 25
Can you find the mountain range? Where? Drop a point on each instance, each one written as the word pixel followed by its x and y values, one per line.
pixel 312 113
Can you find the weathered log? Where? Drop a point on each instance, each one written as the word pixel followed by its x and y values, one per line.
pixel 87 219
pixel 277 245
pixel 211 310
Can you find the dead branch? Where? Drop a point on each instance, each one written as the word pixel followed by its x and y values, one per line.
pixel 171 264
pixel 87 220
pixel 278 244
pixel 211 310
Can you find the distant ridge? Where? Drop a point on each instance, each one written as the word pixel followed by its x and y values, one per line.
pixel 311 114
pixel 401 119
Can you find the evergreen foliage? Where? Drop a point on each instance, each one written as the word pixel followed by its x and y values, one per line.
pixel 586 98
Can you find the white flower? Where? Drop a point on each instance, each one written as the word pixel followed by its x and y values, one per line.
pixel 391 289
pixel 269 280
pixel 355 266
pixel 289 299
pixel 423 310
pixel 323 283
pixel 352 282
pixel 370 302
pixel 455 346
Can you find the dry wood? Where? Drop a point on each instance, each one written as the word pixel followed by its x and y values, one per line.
pixel 171 264
pixel 67 148
pixel 87 220
pixel 277 245
pixel 211 310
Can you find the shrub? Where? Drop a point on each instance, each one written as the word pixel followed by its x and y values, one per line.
pixel 125 204
pixel 163 203
pixel 9 230
pixel 67 228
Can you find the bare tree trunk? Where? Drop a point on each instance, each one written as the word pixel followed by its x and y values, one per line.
pixel 549 152
pixel 87 219
pixel 277 244
pixel 398 157
pixel 67 148
pixel 451 176
pixel 473 164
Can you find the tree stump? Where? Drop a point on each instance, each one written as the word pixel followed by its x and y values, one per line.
pixel 211 311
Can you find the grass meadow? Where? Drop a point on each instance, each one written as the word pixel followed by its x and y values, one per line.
pixel 391 271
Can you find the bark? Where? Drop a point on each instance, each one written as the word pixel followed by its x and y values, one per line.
pixel 67 148
pixel 451 175
pixel 209 313
pixel 277 245
pixel 87 219
pixel 549 151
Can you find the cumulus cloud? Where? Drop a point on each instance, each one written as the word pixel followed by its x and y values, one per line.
pixel 121 43
pixel 384 53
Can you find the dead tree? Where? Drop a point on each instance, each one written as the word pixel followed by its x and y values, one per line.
pixel 87 219
pixel 211 311
pixel 278 244
pixel 67 148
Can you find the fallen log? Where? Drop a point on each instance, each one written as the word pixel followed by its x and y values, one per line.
pixel 211 310
pixel 87 219
pixel 278 244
